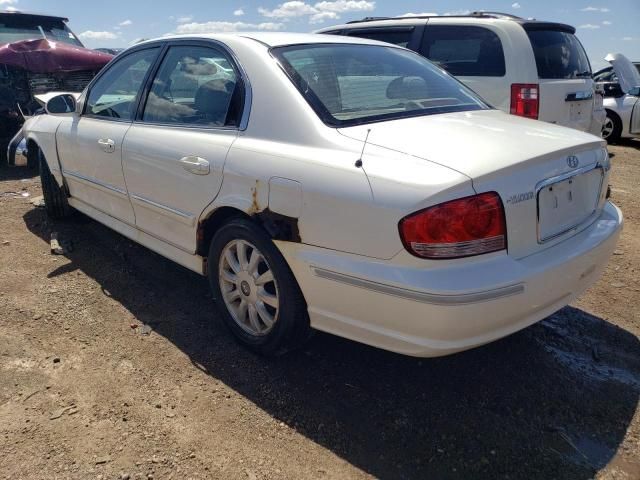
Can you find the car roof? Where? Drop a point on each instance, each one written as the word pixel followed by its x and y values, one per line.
pixel 274 39
pixel 475 17
pixel 17 13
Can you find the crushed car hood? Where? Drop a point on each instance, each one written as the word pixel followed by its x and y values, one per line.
pixel 475 143
pixel 46 56
pixel 627 73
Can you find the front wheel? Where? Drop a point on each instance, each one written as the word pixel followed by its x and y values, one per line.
pixel 55 198
pixel 612 128
pixel 255 291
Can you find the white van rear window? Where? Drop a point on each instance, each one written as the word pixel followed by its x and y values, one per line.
pixel 559 54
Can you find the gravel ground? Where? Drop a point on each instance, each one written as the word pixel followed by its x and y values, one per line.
pixel 113 365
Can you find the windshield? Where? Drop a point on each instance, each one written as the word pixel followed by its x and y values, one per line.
pixel 17 28
pixel 559 54
pixel 354 84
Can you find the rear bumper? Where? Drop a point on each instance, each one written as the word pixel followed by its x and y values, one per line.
pixel 436 308
pixel 597 121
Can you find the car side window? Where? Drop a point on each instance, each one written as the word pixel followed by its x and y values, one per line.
pixel 195 86
pixel 464 50
pixel 115 94
pixel 396 36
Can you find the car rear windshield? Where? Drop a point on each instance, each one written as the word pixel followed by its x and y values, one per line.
pixel 559 54
pixel 353 84
pixel 17 27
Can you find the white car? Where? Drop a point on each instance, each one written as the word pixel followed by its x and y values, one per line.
pixel 526 67
pixel 623 110
pixel 336 183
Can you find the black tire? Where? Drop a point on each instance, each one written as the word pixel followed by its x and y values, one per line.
pixel 291 327
pixel 4 162
pixel 616 131
pixel 55 198
pixel 33 159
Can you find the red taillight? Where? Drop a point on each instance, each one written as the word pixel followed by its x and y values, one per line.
pixel 459 228
pixel 525 100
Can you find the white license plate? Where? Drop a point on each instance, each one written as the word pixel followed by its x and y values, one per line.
pixel 568 203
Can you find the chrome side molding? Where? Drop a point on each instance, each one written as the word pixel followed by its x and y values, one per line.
pixel 424 297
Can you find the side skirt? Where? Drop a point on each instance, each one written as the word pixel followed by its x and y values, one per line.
pixel 187 260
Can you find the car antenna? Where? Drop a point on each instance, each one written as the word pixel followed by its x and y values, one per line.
pixel 359 161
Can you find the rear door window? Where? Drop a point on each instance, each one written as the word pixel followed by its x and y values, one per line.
pixel 194 86
pixel 396 36
pixel 559 55
pixel 464 50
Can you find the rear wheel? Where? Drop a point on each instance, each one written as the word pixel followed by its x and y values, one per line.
pixel 55 199
pixel 255 291
pixel 612 128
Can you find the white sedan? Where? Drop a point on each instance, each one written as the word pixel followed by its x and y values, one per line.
pixel 623 109
pixel 333 183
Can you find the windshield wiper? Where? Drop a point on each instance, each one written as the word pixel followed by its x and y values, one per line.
pixel 42 32
pixel 586 73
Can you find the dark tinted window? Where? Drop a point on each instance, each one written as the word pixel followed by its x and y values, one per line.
pixel 194 86
pixel 559 54
pixel 400 37
pixel 354 84
pixel 115 93
pixel 16 27
pixel 465 51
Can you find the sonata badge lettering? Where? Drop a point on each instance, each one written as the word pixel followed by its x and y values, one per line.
pixel 520 197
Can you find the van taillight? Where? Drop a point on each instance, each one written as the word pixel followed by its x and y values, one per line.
pixel 525 99
pixel 458 228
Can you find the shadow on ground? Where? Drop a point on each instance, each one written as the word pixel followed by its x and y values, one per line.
pixel 553 401
pixel 629 142
pixel 17 173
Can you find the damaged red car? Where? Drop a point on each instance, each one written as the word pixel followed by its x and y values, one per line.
pixel 38 54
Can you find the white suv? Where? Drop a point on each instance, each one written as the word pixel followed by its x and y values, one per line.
pixel 525 67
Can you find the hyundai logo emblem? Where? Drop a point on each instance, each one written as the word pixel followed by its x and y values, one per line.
pixel 573 161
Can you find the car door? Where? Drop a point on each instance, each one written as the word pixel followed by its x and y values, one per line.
pixel 173 155
pixel 90 146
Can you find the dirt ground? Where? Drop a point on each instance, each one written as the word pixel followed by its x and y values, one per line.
pixel 113 365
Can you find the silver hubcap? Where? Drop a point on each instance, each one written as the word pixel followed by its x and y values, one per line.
pixel 248 288
pixel 607 128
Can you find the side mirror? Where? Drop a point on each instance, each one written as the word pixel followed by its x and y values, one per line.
pixel 63 104
pixel 635 91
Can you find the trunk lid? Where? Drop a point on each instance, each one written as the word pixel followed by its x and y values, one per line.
pixel 512 156
pixel 627 73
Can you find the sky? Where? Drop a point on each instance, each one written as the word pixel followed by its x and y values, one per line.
pixel 603 26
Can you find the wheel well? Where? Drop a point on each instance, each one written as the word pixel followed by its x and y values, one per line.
pixel 32 151
pixel 279 227
pixel 613 115
pixel 208 227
